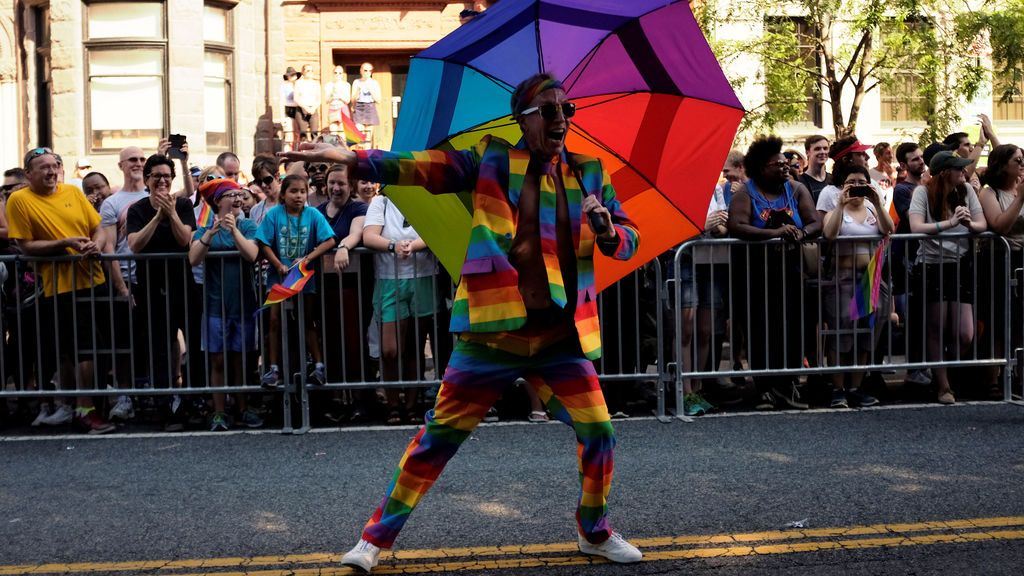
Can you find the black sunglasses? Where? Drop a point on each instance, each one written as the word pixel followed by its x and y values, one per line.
pixel 550 111
pixel 265 181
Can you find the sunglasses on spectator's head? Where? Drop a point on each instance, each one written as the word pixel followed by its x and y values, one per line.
pixel 213 177
pixel 550 111
pixel 35 153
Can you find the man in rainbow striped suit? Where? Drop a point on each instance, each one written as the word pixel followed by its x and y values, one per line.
pixel 538 212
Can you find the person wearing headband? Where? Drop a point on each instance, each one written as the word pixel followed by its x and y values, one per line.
pixel 845 153
pixel 526 303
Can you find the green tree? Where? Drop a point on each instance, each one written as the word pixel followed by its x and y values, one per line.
pixel 839 51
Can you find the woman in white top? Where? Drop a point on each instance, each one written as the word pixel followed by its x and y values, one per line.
pixel 404 300
pixel 1002 199
pixel 339 94
pixel 944 271
pixel 858 212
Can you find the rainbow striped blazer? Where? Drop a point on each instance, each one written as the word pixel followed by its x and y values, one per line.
pixel 488 298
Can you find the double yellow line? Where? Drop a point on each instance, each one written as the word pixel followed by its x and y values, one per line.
pixel 566 554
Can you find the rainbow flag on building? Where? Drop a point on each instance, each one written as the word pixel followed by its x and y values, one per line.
pixel 290 286
pixel 865 296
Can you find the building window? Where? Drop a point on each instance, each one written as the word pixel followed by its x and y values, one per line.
pixel 1013 109
pixel 901 98
pixel 126 72
pixel 126 20
pixel 801 89
pixel 217 101
pixel 218 96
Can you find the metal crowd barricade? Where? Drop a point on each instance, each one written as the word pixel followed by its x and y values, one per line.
pixel 626 357
pixel 148 344
pixel 778 302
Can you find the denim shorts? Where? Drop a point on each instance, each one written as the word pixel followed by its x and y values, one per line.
pixel 712 285
pixel 217 332
pixel 687 286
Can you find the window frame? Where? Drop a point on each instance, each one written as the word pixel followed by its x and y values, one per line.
pixel 904 102
pixel 122 44
pixel 226 49
pixel 1018 100
pixel 815 117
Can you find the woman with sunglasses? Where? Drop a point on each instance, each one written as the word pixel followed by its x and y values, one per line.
pixel 1002 199
pixel 771 206
pixel 525 306
pixel 265 177
pixel 944 272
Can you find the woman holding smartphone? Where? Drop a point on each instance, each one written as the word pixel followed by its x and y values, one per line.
pixel 859 212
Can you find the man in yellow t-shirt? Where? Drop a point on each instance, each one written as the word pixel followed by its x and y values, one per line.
pixel 53 219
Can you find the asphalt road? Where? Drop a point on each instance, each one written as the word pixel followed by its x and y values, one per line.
pixel 930 490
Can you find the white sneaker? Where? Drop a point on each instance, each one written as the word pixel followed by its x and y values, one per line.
pixel 920 377
pixel 364 556
pixel 614 548
pixel 62 415
pixel 44 413
pixel 123 410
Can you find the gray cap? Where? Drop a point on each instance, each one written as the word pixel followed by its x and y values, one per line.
pixel 945 160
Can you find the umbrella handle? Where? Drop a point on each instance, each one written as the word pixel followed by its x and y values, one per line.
pixel 597 223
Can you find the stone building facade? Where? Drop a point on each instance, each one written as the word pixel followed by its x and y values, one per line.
pixel 88 77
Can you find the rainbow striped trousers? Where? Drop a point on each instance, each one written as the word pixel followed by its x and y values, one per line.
pixel 565 381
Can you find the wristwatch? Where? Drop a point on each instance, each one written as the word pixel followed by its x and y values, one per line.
pixel 391 246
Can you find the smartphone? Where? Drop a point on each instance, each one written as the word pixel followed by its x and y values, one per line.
pixel 331 139
pixel 861 191
pixel 177 141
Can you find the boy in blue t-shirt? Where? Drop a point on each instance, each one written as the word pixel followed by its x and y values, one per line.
pixel 292 233
pixel 229 302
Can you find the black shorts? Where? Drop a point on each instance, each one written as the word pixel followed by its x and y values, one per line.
pixel 73 325
pixel 946 282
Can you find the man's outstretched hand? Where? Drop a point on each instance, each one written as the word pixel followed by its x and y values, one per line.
pixel 321 152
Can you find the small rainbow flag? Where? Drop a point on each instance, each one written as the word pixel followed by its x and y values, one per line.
pixel 205 218
pixel 290 286
pixel 352 133
pixel 865 296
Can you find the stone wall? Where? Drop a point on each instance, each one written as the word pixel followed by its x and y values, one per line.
pixel 10 116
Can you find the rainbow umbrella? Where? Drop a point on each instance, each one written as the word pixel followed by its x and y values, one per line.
pixel 652 103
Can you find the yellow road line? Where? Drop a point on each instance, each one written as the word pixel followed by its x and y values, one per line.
pixel 514 554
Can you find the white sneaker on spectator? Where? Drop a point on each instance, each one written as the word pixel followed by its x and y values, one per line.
pixel 44 413
pixel 364 556
pixel 920 377
pixel 491 416
pixel 123 410
pixel 62 415
pixel 615 548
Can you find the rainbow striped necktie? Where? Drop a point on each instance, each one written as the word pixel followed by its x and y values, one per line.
pixel 549 232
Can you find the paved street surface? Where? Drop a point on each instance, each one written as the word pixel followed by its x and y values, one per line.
pixel 925 490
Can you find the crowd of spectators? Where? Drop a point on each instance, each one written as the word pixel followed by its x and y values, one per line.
pixel 941 293
pixel 174 303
